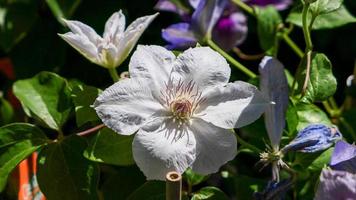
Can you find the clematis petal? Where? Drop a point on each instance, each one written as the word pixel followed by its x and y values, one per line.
pixel 132 34
pixel 230 30
pixel 278 4
pixel 160 147
pixel 336 185
pixel 82 45
pixel 215 147
pixel 274 86
pixel 126 105
pixel 313 138
pixel 202 65
pixel 114 27
pixel 344 157
pixel 206 15
pixel 232 105
pixel 152 62
pixel 179 36
pixel 78 28
pixel 194 3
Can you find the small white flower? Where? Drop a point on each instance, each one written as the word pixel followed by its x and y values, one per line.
pixel 116 44
pixel 182 109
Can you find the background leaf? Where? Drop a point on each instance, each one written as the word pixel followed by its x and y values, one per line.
pixel 17 142
pixel 83 97
pixel 268 20
pixel 63 172
pixel 110 148
pixel 209 193
pixel 63 8
pixel 310 114
pixel 337 18
pixel 47 96
pixel 6 112
pixel 151 190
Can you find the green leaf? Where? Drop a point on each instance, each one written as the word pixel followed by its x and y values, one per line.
pixel 110 148
pixel 268 20
pixel 151 190
pixel 209 193
pixel 292 119
pixel 320 7
pixel 47 96
pixel 322 83
pixel 122 182
pixel 17 142
pixel 337 18
pixel 83 97
pixel 193 178
pixel 321 160
pixel 309 114
pixel 16 19
pixel 63 8
pixel 63 172
pixel 6 112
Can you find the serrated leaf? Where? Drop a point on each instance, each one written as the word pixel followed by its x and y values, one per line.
pixel 337 18
pixel 17 142
pixel 83 99
pixel 63 8
pixel 310 114
pixel 151 190
pixel 209 193
pixel 63 172
pixel 110 148
pixel 320 7
pixel 47 96
pixel 322 83
pixel 268 19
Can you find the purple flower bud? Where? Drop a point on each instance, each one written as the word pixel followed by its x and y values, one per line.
pixel 274 190
pixel 336 185
pixel 344 157
pixel 313 138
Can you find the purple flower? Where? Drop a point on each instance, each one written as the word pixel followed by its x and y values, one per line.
pixel 274 86
pixel 336 185
pixel 274 190
pixel 344 157
pixel 313 138
pixel 278 4
pixel 212 19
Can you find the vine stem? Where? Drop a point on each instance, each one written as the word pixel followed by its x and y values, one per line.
pixel 92 130
pixel 244 7
pixel 113 73
pixel 246 144
pixel 306 31
pixel 237 64
pixel 173 186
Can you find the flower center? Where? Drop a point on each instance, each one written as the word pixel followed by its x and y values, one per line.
pixel 181 99
pixel 181 109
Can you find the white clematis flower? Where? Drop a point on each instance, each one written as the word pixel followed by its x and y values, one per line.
pixel 182 109
pixel 116 44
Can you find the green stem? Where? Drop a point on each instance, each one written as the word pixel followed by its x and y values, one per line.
pixel 306 31
pixel 246 144
pixel 113 74
pixel 244 7
pixel 292 45
pixel 327 107
pixel 231 59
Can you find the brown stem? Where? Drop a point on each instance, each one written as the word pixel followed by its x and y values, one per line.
pixel 244 56
pixel 92 130
pixel 307 75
